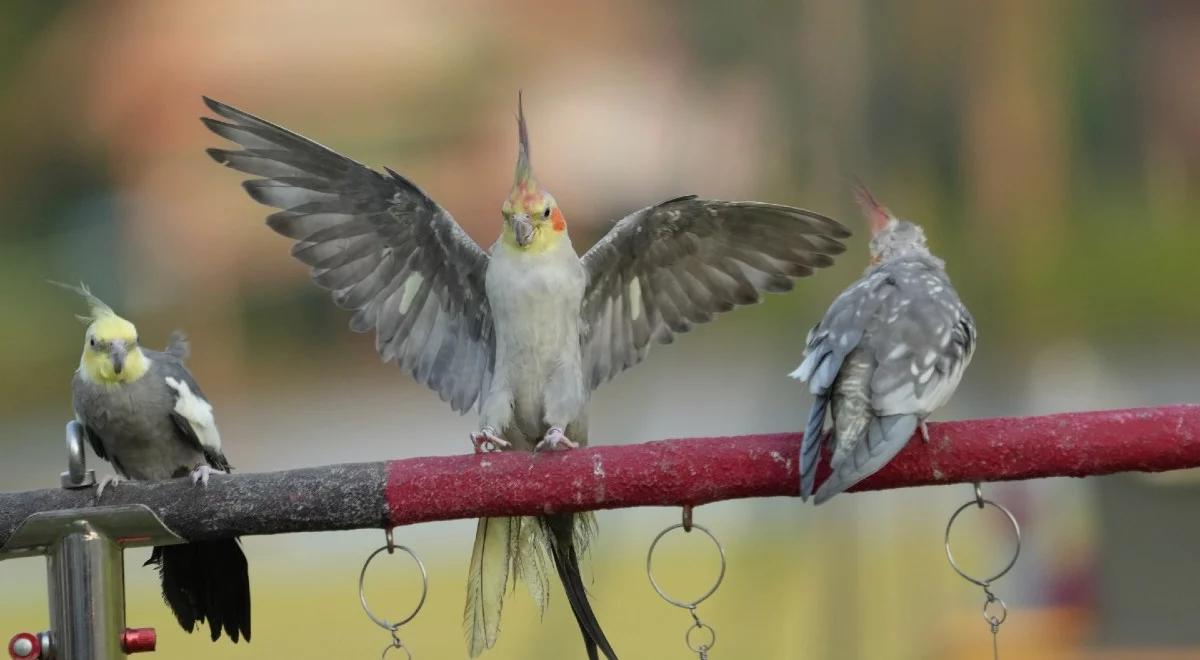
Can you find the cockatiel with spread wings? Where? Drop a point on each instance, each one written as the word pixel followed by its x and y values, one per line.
pixel 526 332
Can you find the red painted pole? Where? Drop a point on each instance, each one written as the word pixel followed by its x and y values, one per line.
pixel 668 473
pixel 699 470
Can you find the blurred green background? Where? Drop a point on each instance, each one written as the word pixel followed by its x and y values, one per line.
pixel 1051 150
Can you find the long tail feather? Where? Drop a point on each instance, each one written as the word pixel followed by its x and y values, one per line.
pixel 562 532
pixel 530 558
pixel 206 581
pixel 885 437
pixel 486 581
pixel 810 447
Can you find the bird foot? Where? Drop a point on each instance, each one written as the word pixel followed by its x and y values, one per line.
pixel 110 480
pixel 555 440
pixel 485 440
pixel 201 473
pixel 924 432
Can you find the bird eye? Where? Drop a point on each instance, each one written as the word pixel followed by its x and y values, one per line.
pixel 92 341
pixel 546 213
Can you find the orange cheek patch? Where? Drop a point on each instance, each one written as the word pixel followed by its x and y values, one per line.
pixel 557 221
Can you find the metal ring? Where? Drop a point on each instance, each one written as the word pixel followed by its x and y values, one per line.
pixel 654 583
pixel 362 596
pixel 1016 553
pixel 993 619
pixel 697 648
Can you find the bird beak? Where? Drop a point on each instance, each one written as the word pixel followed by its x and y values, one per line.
pixel 522 229
pixel 117 354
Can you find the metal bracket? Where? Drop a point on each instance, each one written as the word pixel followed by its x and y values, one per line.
pixel 86 577
pixel 77 474
pixel 128 525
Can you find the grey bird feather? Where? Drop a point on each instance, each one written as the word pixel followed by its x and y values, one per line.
pixel 383 248
pixel 526 332
pixel 890 350
pixel 668 267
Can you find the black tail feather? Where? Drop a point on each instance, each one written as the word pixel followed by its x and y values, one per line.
pixel 566 560
pixel 206 581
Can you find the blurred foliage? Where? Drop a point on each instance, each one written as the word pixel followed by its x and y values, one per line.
pixel 1021 137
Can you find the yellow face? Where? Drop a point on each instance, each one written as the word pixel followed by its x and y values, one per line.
pixel 111 354
pixel 533 221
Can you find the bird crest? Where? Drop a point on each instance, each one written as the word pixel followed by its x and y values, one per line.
pixel 877 214
pixel 100 315
pixel 523 179
pixel 97 309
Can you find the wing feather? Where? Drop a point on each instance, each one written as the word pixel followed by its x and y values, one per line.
pixel 935 330
pixel 384 249
pixel 829 343
pixel 191 412
pixel 665 268
pixel 913 339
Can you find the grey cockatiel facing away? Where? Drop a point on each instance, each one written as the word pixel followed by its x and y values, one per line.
pixel 143 412
pixel 526 332
pixel 890 350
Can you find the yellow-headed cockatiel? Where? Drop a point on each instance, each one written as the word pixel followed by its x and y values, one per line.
pixel 142 411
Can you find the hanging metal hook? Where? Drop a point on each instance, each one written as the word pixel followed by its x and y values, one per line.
pixel 699 637
pixel 391 542
pixel 994 610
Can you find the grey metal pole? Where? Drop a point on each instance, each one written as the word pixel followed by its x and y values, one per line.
pixel 86 577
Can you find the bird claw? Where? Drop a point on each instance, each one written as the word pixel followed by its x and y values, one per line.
pixel 555 440
pixel 201 473
pixel 485 440
pixel 110 480
pixel 924 432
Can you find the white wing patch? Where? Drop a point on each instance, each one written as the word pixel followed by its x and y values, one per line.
pixel 635 298
pixel 411 286
pixel 197 412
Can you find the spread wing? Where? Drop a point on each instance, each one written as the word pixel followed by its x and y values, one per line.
pixel 667 267
pixel 381 246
